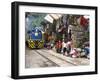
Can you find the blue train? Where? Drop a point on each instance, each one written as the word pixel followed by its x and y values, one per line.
pixel 35 38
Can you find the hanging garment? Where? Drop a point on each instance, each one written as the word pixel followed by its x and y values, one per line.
pixel 83 21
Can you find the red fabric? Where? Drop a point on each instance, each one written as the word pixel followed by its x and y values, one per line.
pixel 58 44
pixel 83 21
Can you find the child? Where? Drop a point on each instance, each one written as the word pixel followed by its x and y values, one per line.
pixel 74 53
pixel 64 47
pixel 68 47
pixel 58 46
pixel 87 51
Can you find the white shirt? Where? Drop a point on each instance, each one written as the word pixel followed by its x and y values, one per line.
pixel 63 44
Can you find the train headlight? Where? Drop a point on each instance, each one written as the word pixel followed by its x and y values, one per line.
pixel 36 34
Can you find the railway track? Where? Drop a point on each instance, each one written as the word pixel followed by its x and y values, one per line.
pixel 34 60
pixel 47 58
pixel 54 59
pixel 61 58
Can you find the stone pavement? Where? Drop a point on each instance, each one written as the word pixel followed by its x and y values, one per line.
pixel 75 61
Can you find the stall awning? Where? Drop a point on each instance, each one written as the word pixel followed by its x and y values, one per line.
pixel 51 17
pixel 55 16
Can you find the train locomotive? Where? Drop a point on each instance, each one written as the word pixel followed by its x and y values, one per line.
pixel 35 39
